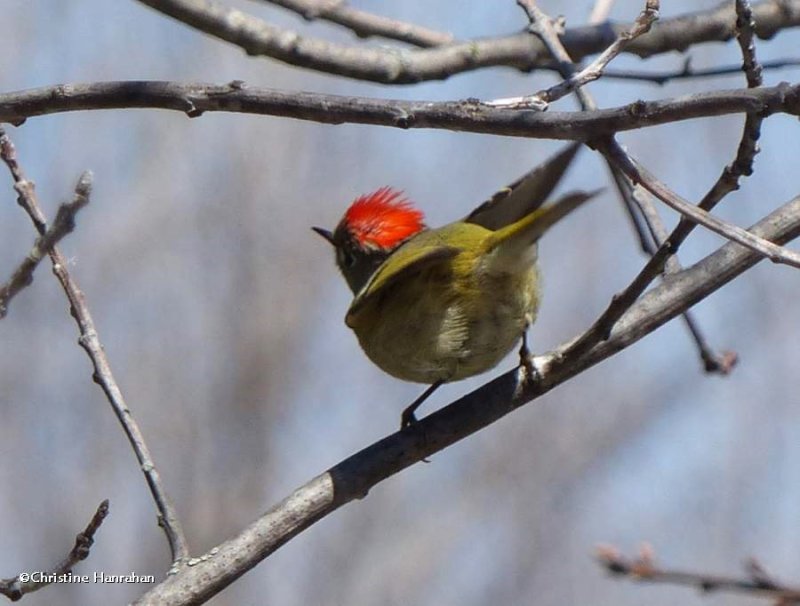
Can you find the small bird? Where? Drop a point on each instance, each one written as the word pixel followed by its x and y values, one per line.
pixel 443 304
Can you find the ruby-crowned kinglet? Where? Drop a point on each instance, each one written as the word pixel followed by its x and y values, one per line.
pixel 434 305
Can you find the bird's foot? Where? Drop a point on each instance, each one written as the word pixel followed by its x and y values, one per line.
pixel 530 373
pixel 408 419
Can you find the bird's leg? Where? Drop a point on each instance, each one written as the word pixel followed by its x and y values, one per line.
pixel 526 360
pixel 408 418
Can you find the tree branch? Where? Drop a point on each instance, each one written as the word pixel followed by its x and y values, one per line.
pixel 24 583
pixel 758 583
pixel 687 72
pixel 364 24
pixel 545 28
pixel 638 174
pixel 392 66
pixel 89 340
pixel 354 477
pixel 465 116
pixel 63 224
pixel 573 79
pixel 726 183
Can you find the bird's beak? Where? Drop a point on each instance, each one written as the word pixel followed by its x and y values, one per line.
pixel 325 234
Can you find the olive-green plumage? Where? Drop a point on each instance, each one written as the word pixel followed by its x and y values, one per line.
pixel 452 302
pixel 438 305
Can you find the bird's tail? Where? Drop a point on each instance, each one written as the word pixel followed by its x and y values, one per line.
pixel 522 234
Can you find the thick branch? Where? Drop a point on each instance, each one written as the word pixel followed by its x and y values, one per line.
pixel 355 476
pixel 391 66
pixel 467 116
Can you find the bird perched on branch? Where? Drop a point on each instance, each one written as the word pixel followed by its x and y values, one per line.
pixel 434 305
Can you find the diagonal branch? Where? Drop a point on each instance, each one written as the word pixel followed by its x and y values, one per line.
pixel 543 26
pixel 63 224
pixel 354 477
pixel 640 175
pixel 392 66
pixel 25 583
pixel 574 80
pixel 726 183
pixel 89 340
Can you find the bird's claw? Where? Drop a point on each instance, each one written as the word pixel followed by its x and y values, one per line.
pixel 408 419
pixel 530 373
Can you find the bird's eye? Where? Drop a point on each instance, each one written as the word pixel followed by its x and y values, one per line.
pixel 346 258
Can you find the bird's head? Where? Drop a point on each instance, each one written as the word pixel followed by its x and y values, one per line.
pixel 373 227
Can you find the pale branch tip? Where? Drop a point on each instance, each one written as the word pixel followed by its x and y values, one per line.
pixel 542 26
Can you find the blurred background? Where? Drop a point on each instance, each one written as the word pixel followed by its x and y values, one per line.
pixel 222 316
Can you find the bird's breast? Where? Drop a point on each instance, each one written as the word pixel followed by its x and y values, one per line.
pixel 448 322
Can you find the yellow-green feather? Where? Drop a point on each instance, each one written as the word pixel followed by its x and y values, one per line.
pixel 525 232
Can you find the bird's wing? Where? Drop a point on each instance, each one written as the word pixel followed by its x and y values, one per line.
pixel 400 267
pixel 524 195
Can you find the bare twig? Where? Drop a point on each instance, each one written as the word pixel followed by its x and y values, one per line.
pixel 638 174
pixel 543 26
pixel 600 330
pixel 644 569
pixel 466 116
pixel 742 164
pixel 745 36
pixel 713 362
pixel 364 24
pixel 402 66
pixel 63 224
pixel 688 72
pixel 90 342
pixel 727 182
pixel 722 363
pixel 25 583
pixel 593 71
pixel 354 477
